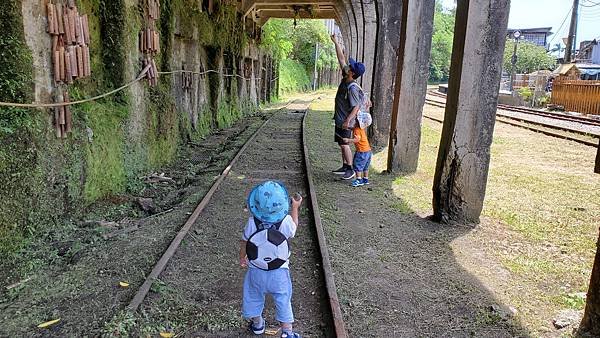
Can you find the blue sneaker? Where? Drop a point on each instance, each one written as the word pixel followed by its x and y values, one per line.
pixel 358 183
pixel 257 330
pixel 290 334
pixel 365 181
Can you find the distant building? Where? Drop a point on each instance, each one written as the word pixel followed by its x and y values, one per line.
pixel 538 36
pixel 589 52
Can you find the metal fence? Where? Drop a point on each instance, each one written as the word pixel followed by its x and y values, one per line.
pixel 577 95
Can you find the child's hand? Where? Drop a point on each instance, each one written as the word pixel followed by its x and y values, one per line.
pixel 243 262
pixel 296 200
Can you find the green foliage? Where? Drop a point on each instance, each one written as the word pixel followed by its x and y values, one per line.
pixel 112 30
pixel 223 29
pixel 16 72
pixel 162 128
pixel 530 57
pixel 292 77
pixel 441 44
pixel 286 42
pixel 105 169
pixel 526 93
pixel 295 49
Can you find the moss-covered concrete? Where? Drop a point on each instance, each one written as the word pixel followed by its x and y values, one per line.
pixel 115 141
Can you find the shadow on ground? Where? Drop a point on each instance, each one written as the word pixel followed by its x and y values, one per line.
pixel 395 271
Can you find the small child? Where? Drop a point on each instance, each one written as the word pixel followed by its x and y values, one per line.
pixel 362 155
pixel 269 204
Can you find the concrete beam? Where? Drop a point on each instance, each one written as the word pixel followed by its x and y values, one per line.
pixel 415 73
pixel 388 40
pixel 464 152
pixel 276 13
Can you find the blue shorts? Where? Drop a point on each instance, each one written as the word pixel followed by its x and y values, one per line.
pixel 362 161
pixel 276 283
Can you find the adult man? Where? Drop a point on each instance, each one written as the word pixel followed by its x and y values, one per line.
pixel 347 104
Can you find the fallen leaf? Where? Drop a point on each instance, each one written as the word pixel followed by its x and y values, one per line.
pixel 271 331
pixel 124 284
pixel 167 334
pixel 46 324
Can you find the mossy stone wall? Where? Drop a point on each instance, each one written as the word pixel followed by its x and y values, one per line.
pixel 48 183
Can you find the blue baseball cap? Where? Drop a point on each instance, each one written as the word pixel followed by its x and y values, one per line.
pixel 269 202
pixel 357 68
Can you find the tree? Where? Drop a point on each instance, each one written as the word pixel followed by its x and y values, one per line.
pixel 530 58
pixel 441 44
pixel 294 48
pixel 558 47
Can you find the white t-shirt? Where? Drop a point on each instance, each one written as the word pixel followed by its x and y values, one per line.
pixel 288 229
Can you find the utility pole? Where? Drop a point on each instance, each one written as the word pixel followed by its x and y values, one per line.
pixel 315 73
pixel 571 39
pixel 513 61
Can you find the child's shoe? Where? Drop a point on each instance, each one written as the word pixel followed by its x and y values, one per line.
pixel 257 330
pixel 357 183
pixel 290 334
pixel 365 181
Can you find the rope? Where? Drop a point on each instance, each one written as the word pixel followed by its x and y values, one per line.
pixel 62 104
pixel 206 72
pixel 138 78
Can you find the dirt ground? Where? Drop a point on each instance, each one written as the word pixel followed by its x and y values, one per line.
pixel 400 276
pixel 77 273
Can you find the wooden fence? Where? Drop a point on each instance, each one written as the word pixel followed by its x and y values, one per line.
pixel 577 95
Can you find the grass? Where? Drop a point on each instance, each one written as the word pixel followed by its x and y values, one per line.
pixel 540 215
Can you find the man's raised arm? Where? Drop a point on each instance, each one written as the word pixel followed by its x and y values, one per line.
pixel 340 53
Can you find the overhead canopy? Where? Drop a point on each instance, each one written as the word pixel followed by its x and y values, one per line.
pixel 263 10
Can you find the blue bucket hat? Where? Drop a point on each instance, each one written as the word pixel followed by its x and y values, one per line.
pixel 269 202
pixel 357 68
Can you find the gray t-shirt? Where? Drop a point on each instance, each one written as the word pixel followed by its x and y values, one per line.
pixel 345 100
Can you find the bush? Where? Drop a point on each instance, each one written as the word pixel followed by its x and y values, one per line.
pixel 292 77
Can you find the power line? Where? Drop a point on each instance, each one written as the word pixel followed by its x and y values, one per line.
pixel 561 25
pixel 592 4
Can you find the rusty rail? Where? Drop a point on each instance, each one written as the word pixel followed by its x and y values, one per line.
pixel 336 311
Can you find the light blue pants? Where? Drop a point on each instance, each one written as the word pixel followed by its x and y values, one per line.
pixel 276 283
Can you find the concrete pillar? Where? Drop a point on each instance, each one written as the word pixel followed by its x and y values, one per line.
pixel 415 73
pixel 388 39
pixel 370 43
pixel 464 152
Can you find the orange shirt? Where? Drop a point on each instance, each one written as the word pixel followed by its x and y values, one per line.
pixel 363 142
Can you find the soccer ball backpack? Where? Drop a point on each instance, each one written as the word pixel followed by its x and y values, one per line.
pixel 268 248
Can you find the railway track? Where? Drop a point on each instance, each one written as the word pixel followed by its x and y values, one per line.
pixel 550 130
pixel 186 265
pixel 536 112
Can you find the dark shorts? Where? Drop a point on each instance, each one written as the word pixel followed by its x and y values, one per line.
pixel 362 161
pixel 342 133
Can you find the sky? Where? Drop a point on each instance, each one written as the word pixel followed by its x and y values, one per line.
pixel 552 13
